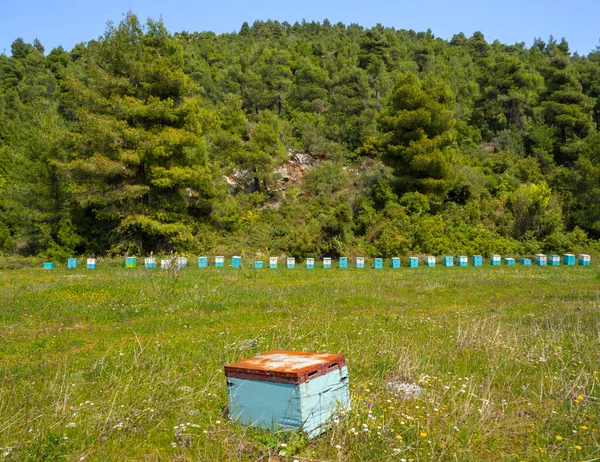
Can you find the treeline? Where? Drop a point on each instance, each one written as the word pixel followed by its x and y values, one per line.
pixel 146 141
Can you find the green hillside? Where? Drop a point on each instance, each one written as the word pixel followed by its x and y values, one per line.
pixel 305 139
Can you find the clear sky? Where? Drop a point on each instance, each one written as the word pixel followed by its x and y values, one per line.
pixel 68 22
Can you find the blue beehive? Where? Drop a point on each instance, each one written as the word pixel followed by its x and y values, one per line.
pixel 273 262
pixel 258 264
pixel 584 259
pixel 291 262
pixel 343 262
pixel 150 262
pixel 554 260
pixel 413 262
pixel 181 262
pixel 91 263
pixel 288 390
pixel 202 262
pixel 130 262
pixel 72 263
pixel 326 262
pixel 463 260
pixel 569 259
pixel 236 261
pixel 448 261
pixel 220 261
pixel 48 265
pixel 430 261
pixel 396 262
pixel 526 261
pixel 360 262
pixel 540 259
pixel 378 263
pixel 310 263
pixel 509 261
pixel 477 260
pixel 165 264
pixel 495 260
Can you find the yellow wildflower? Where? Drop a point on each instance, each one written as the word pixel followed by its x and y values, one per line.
pixel 559 438
pixel 423 434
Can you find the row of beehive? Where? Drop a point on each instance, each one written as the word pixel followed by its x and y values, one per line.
pixel 413 262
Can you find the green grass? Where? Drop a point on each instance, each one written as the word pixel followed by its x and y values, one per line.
pixel 127 364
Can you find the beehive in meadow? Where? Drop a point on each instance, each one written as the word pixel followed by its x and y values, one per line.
pixel 288 390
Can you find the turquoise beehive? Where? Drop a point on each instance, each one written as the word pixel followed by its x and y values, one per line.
pixel 378 263
pixel 48 265
pixel 448 261
pixel 130 262
pixel 236 261
pixel 326 262
pixel 540 259
pixel 273 262
pixel 554 260
pixel 181 262
pixel 430 261
pixel 291 262
pixel 91 263
pixel 150 262
pixel 165 264
pixel 396 262
pixel 288 390
pixel 258 264
pixel 495 260
pixel 569 259
pixel 72 263
pixel 509 261
pixel 310 263
pixel 526 261
pixel 220 261
pixel 477 260
pixel 463 260
pixel 202 262
pixel 343 262
pixel 584 259
pixel 360 262
pixel 413 262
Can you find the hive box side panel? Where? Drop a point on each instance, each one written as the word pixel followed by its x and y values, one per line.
pixel 321 398
pixel 264 404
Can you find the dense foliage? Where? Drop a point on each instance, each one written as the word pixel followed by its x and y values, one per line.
pixel 146 141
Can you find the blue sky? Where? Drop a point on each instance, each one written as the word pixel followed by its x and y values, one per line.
pixel 69 22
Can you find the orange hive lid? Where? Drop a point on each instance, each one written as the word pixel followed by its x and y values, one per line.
pixel 285 366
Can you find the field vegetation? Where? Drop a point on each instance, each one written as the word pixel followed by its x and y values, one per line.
pixel 492 363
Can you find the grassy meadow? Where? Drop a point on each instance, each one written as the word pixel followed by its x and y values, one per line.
pixel 127 364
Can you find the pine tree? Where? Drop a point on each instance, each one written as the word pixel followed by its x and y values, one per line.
pixel 138 158
pixel 416 135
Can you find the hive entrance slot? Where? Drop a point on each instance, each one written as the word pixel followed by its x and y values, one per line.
pixel 331 366
pixel 312 373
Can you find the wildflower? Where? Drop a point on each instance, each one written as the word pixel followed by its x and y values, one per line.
pixel 399 437
pixel 423 434
pixel 578 447
pixel 337 446
pixel 559 438
pixel 580 398
pixel 368 404
pixel 583 427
